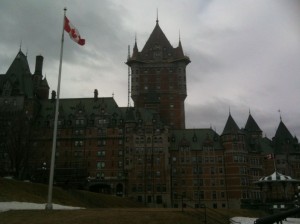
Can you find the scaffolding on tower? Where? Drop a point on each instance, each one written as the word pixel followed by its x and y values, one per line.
pixel 129 76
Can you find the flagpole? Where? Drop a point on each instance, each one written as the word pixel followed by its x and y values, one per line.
pixel 49 205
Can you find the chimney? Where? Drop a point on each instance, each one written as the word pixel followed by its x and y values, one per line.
pixel 96 94
pixel 53 95
pixel 39 65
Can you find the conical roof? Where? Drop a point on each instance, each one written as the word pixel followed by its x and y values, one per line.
pixel 251 125
pixel 230 126
pixel 282 133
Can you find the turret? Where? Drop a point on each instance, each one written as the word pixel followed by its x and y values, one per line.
pixel 158 78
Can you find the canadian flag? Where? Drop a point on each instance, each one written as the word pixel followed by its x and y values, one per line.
pixel 73 32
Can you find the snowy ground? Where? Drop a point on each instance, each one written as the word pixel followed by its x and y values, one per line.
pixel 14 205
pixel 246 220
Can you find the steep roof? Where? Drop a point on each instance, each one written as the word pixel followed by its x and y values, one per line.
pixel 283 140
pixel 44 83
pixel 230 126
pixel 91 108
pixel 134 114
pixel 251 125
pixel 20 76
pixel 73 107
pixel 282 133
pixel 19 65
pixel 157 37
pixel 158 48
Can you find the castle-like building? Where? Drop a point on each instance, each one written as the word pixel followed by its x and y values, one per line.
pixel 143 152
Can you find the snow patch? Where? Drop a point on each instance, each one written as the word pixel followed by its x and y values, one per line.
pixel 15 205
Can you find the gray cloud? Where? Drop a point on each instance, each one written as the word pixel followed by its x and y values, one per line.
pixel 245 54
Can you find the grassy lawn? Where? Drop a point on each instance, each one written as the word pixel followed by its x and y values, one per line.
pixel 100 209
pixel 117 216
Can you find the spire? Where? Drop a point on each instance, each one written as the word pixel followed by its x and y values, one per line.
pixel 135 48
pixel 157 16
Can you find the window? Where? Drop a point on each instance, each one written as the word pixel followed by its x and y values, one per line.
pixel 222 182
pixel 212 170
pixel 78 143
pixel 100 165
pixel 101 153
pixel 79 122
pixel 79 132
pixel 120 164
pixel 213 182
pixel 102 121
pixel 157 173
pixel 101 142
pixel 100 175
pixel 214 195
pixel 222 194
pixel 158 199
pixel 101 131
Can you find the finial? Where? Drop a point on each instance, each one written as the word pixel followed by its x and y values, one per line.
pixel 113 95
pixel 20 48
pixel 229 111
pixel 249 111
pixel 280 115
pixel 156 15
pixel 179 35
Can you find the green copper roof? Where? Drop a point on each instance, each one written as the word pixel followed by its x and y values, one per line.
pixel 195 138
pixel 251 125
pixel 230 126
pixel 76 107
pixel 20 76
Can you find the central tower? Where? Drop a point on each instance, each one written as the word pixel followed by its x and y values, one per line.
pixel 158 78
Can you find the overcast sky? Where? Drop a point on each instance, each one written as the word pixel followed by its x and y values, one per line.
pixel 245 53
